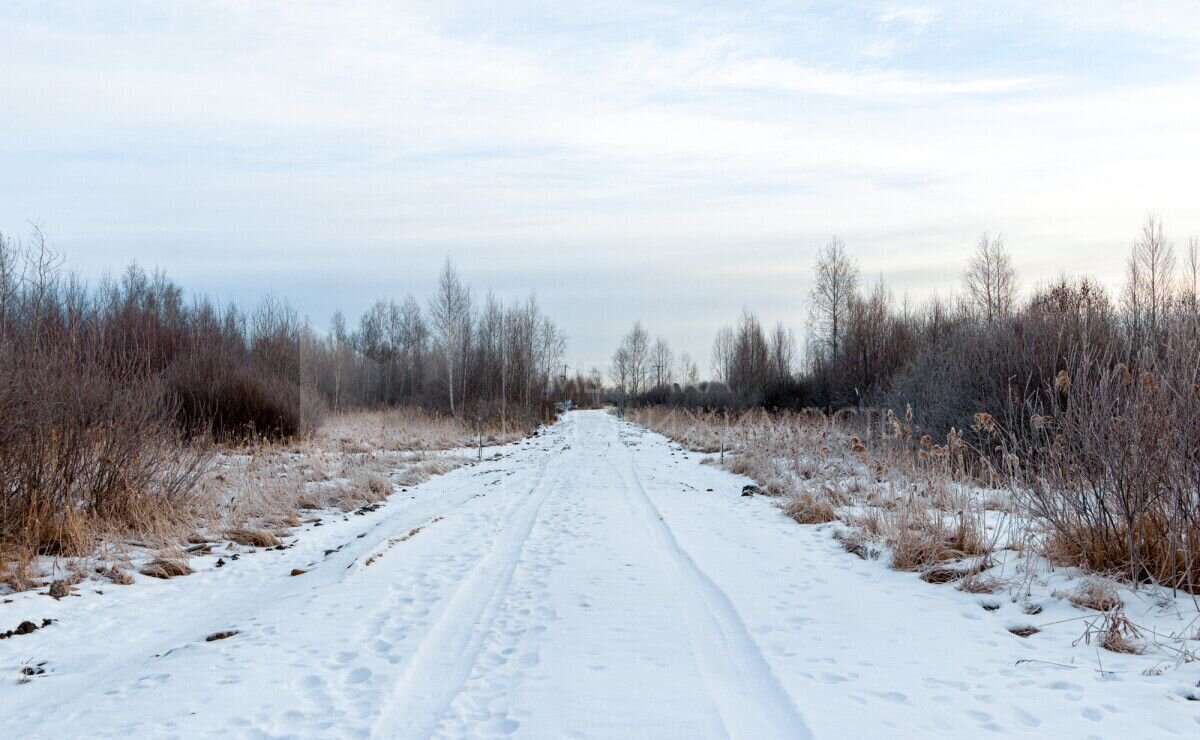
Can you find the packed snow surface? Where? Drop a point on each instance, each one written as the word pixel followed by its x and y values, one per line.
pixel 595 581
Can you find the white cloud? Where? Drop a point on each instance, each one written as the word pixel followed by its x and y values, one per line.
pixel 298 140
pixel 916 16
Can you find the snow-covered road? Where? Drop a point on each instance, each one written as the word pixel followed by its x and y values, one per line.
pixel 594 581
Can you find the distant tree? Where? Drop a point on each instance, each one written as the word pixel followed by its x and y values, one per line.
pixel 751 360
pixel 1191 277
pixel 661 360
pixel 723 354
pixel 631 362
pixel 990 280
pixel 689 371
pixel 829 302
pixel 1150 283
pixel 450 310
pixel 782 353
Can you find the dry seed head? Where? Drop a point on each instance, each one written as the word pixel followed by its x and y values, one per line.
pixel 927 442
pixel 954 439
pixel 1148 381
pixel 1062 381
pixel 1123 371
pixel 983 422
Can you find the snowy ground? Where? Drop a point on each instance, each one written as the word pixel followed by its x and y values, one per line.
pixel 595 581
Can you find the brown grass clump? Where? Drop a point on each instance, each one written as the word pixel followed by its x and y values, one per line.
pixel 250 537
pixel 1162 550
pixel 20 572
pixel 1118 634
pixel 856 543
pixel 806 508
pixel 223 635
pixel 115 575
pixel 920 538
pixel 1027 630
pixel 166 566
pixel 943 573
pixel 741 465
pixel 1095 594
pixel 378 486
pixel 426 469
pixel 979 583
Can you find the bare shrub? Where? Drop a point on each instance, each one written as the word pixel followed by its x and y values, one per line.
pixel 1113 462
pixel 84 450
pixel 231 401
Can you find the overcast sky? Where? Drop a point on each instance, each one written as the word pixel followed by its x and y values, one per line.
pixel 664 161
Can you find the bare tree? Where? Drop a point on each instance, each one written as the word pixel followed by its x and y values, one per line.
pixel 722 355
pixel 750 358
pixel 783 353
pixel 631 361
pixel 661 359
pixel 990 280
pixel 836 283
pixel 450 312
pixel 1150 284
pixel 1191 278
pixel 689 371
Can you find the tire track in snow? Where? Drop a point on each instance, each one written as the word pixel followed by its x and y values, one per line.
pixel 749 697
pixel 443 661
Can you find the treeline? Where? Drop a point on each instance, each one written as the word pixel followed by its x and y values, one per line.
pixel 1084 402
pixel 103 387
pixel 989 347
pixel 468 358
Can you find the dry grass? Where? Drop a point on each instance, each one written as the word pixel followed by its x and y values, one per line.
pixel 1114 632
pixel 412 430
pixel 914 497
pixel 1119 635
pixel 167 565
pixel 806 508
pixel 920 537
pixel 980 583
pixel 855 542
pixel 114 575
pixel 250 537
pixel 357 459
pixel 1094 594
pixel 252 493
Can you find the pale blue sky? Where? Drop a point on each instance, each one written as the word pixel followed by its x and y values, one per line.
pixel 663 161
